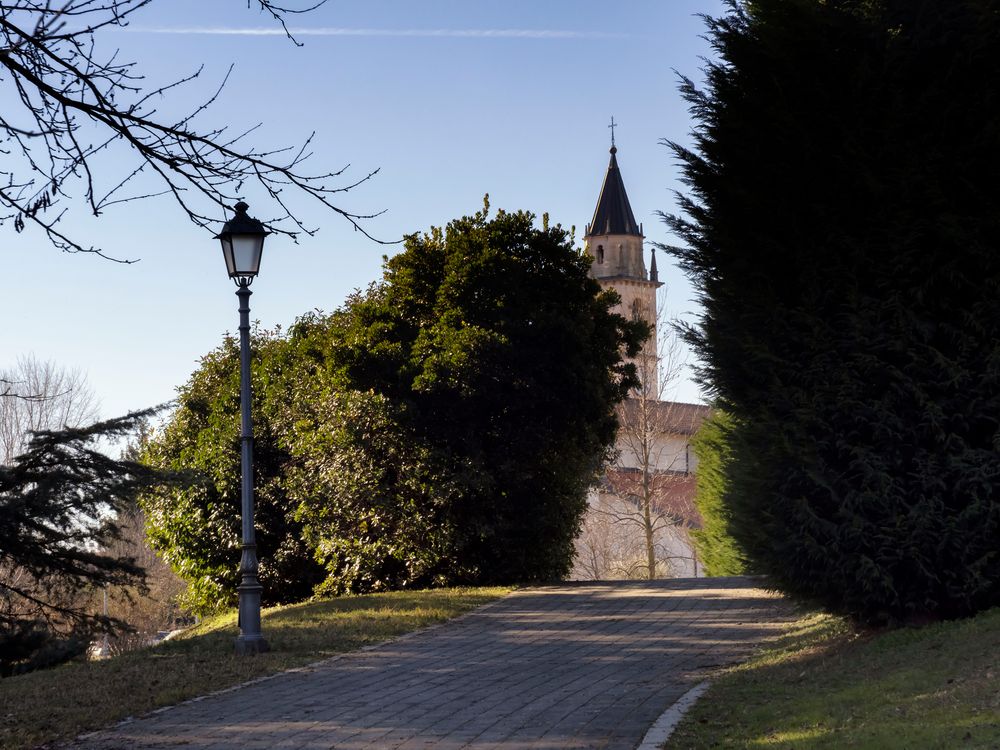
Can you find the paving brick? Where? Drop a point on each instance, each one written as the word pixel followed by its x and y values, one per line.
pixel 555 667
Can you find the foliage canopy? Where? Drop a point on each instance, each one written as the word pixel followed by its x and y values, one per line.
pixel 197 528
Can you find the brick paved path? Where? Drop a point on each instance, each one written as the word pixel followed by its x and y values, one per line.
pixel 572 666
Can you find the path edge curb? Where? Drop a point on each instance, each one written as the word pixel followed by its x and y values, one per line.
pixel 664 726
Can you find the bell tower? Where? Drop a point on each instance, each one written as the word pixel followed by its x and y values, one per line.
pixel 615 244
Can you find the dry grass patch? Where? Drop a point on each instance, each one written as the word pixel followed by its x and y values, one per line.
pixel 65 701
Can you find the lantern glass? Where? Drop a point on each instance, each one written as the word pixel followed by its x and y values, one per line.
pixel 242 240
pixel 246 252
pixel 227 253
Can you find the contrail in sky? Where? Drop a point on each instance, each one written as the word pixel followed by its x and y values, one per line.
pixel 340 31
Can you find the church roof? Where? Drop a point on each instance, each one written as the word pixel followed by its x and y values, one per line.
pixel 613 214
pixel 668 417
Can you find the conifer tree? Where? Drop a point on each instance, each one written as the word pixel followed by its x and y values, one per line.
pixel 59 504
pixel 843 228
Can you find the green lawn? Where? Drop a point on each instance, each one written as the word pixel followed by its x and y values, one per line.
pixel 824 686
pixel 65 701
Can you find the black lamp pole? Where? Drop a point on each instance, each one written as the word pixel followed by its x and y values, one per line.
pixel 242 245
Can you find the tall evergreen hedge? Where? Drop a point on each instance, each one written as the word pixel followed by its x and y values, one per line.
pixel 843 227
pixel 718 551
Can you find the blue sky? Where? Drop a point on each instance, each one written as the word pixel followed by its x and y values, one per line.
pixel 448 99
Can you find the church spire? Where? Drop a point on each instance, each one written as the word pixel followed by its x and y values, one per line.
pixel 614 238
pixel 614 243
pixel 613 214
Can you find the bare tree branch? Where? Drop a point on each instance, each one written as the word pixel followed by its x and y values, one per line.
pixel 81 108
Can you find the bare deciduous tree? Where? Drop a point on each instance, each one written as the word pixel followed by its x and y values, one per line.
pixel 607 549
pixel 79 126
pixel 40 395
pixel 148 608
pixel 638 526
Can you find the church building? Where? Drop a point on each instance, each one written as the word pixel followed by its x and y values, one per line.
pixel 644 505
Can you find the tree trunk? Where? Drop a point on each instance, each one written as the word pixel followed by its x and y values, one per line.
pixel 647 525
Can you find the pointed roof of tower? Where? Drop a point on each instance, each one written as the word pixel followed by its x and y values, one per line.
pixel 613 214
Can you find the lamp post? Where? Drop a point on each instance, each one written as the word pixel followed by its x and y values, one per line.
pixel 242 240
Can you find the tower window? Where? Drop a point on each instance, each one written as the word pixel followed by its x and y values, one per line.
pixel 600 253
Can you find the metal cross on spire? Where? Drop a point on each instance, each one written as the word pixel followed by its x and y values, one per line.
pixel 612 126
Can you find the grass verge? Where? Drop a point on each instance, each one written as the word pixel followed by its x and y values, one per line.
pixel 824 686
pixel 63 702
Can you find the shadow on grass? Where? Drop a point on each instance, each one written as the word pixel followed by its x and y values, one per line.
pixel 823 686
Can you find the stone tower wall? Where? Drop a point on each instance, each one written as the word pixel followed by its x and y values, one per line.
pixel 616 255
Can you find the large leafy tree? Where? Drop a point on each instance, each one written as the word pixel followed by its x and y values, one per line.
pixel 442 426
pixel 503 359
pixel 843 231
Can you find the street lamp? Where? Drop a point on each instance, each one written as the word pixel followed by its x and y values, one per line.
pixel 242 240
